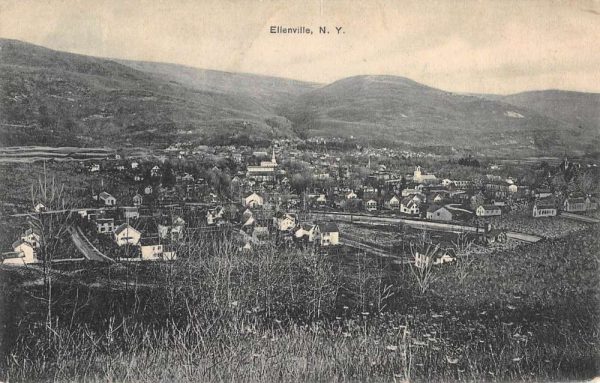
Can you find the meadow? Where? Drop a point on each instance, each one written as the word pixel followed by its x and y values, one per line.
pixel 528 313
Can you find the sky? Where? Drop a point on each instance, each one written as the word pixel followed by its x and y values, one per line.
pixel 462 46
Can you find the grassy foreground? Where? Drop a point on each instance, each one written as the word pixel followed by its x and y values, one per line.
pixel 528 314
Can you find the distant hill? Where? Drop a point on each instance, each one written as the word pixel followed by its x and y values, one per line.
pixel 396 109
pixel 576 108
pixel 56 98
pixel 266 89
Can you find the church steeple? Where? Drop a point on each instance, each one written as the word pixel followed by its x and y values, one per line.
pixel 273 159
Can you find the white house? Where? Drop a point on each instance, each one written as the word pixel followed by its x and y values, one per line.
pixel 543 208
pixel 32 237
pixel 285 222
pixel 410 206
pixel 138 200
pixel 213 215
pixel 40 207
pixel 351 195
pixel 574 204
pixel 125 234
pixel 26 253
pixel 306 230
pixel 155 171
pixel 95 168
pixel 150 249
pixel 134 165
pixel 394 203
pixel 329 234
pixel 371 205
pixel 488 211
pixel 254 200
pixel 148 190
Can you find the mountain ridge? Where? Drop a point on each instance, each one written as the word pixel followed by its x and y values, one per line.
pixel 67 98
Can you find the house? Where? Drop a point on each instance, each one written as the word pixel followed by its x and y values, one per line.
pixel 542 193
pixel 163 231
pixel 439 213
pixel 105 225
pixel 544 208
pixel 371 205
pixel 24 253
pixel 447 182
pixel 591 204
pixel 284 221
pixel 155 171
pixel 214 215
pixel 148 190
pixel 125 234
pixel 438 197
pixel 177 229
pixel 134 165
pixel 321 199
pixel 574 204
pixel 488 211
pixel 137 178
pixel 138 200
pixel 351 195
pixel 411 206
pixel 253 200
pixel 394 203
pixel 306 231
pixel 329 234
pixel 94 167
pixel 512 188
pixel 33 237
pixel 187 177
pixel 106 199
pixel 150 249
pixel 131 212
pixel 39 208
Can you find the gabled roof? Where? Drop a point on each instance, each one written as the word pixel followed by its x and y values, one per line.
pixel 123 227
pixel 490 207
pixel 105 195
pixel 433 208
pixel 575 200
pixel 30 231
pixel 149 241
pixel 20 242
pixel 328 227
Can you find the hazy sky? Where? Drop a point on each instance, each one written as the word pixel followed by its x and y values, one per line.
pixel 464 46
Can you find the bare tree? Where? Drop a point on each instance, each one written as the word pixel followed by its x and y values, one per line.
pixel 424 254
pixel 462 252
pixel 49 221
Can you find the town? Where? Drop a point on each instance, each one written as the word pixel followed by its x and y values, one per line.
pixel 331 195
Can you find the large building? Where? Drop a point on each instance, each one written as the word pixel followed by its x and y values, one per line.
pixel 265 172
pixel 420 177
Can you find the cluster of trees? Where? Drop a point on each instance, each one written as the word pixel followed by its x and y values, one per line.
pixel 469 161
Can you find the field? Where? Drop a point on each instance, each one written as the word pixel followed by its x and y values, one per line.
pixel 527 313
pixel 40 153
